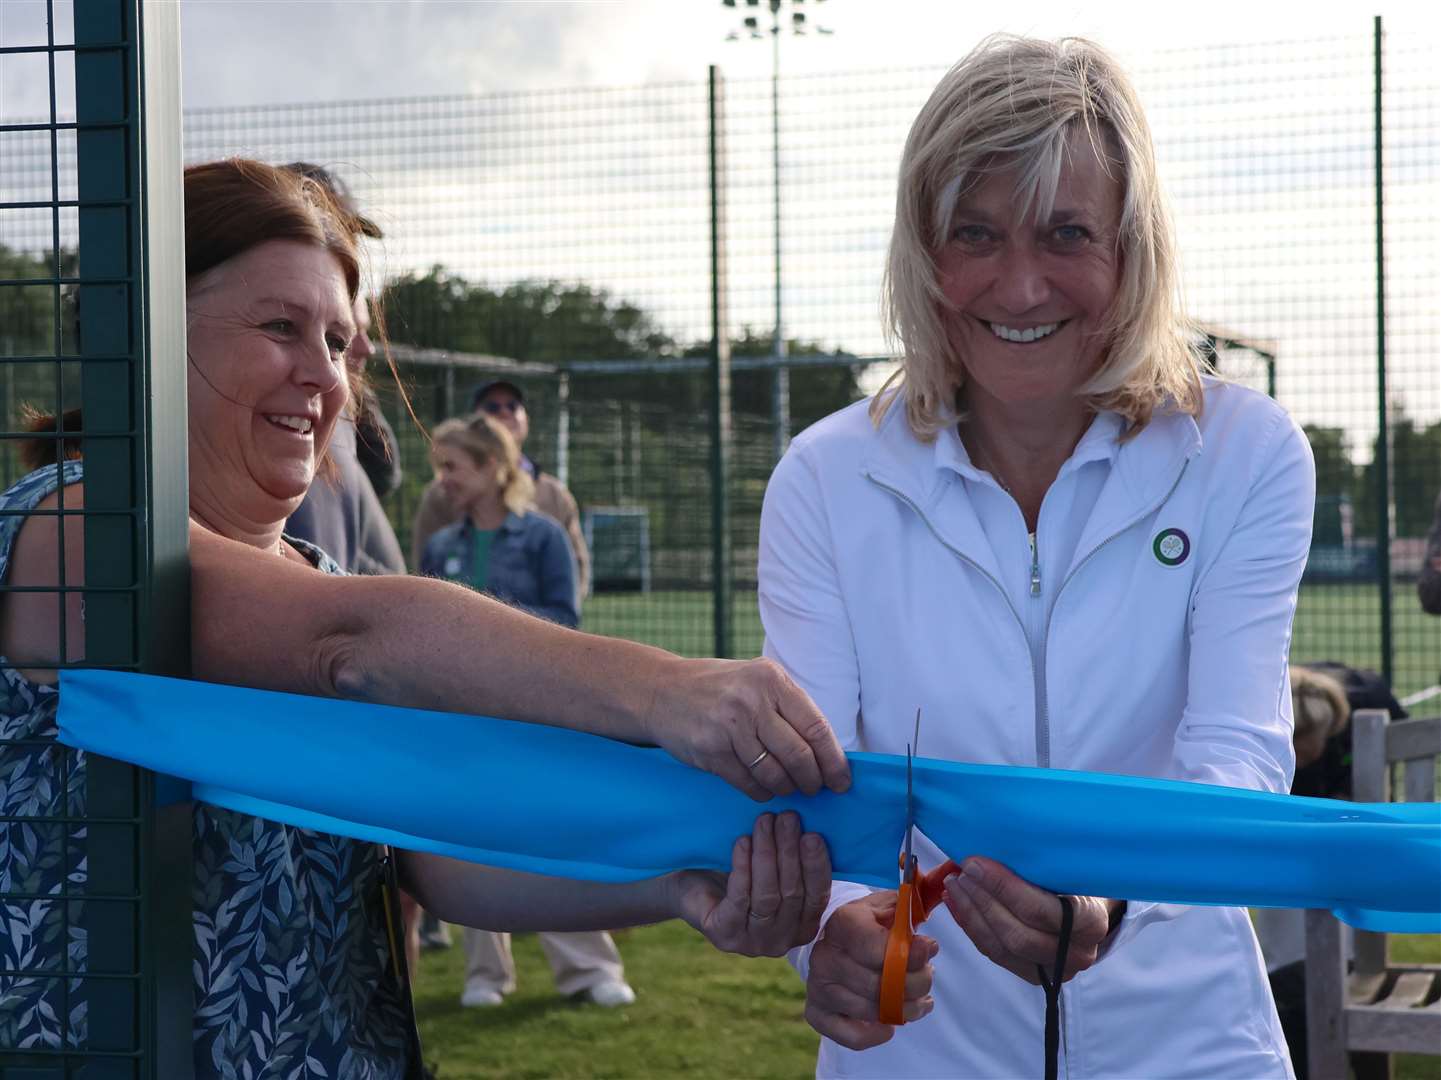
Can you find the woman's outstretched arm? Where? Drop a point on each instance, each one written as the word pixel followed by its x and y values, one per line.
pixel 264 621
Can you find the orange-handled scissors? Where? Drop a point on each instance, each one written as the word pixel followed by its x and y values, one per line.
pixel 917 895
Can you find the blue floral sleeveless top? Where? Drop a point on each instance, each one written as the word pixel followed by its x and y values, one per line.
pixel 295 973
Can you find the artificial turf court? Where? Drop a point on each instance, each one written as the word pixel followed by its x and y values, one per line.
pixel 1333 622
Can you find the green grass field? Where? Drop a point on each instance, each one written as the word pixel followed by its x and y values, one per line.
pixel 1333 622
pixel 698 1014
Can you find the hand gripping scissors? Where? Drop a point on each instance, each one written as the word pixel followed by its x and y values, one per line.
pixel 916 897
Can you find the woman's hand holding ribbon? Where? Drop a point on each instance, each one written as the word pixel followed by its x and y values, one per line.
pixel 774 896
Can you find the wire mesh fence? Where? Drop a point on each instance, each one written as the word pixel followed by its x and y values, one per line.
pixel 81 844
pixel 565 227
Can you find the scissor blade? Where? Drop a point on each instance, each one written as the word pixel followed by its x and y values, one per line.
pixel 910 812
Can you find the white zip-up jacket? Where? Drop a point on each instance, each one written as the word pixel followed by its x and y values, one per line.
pixel 1147 635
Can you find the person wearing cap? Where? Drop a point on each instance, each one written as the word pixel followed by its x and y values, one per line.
pixel 341 513
pixel 585 964
pixel 504 401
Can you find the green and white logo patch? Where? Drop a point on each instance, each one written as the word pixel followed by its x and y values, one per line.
pixel 1171 547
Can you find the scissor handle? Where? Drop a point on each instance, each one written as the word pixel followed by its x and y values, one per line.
pixel 919 900
pixel 898 958
pixel 931 888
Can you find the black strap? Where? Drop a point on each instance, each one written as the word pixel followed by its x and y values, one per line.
pixel 1052 986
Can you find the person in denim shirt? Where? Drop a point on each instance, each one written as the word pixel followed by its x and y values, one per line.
pixel 501 546
pixel 504 547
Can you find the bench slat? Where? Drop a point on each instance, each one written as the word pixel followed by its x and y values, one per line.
pixel 1409 739
pixel 1404 1031
pixel 1411 990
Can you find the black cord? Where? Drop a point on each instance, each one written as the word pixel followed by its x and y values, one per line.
pixel 1052 986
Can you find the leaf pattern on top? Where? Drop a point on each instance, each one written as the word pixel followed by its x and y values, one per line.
pixel 40 938
pixel 293 970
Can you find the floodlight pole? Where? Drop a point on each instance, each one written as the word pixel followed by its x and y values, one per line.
pixel 781 372
pixel 781 377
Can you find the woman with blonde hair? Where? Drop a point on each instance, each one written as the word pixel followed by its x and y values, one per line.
pixel 1071 548
pixel 502 545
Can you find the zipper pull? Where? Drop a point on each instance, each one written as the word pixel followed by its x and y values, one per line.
pixel 1035 568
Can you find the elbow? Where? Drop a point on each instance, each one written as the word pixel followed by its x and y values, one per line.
pixel 339 669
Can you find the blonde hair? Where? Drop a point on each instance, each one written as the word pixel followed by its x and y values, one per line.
pixel 1321 711
pixel 1016 103
pixel 486 441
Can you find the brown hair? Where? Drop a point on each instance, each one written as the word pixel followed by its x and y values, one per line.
pixel 485 441
pixel 232 206
pixel 37 452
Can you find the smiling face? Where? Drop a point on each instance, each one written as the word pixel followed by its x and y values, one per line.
pixel 469 485
pixel 268 332
pixel 1028 297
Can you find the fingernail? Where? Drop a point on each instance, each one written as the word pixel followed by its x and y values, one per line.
pixel 973 871
pixel 928 1006
pixel 812 844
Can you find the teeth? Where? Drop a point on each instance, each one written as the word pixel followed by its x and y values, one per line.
pixel 1035 333
pixel 294 423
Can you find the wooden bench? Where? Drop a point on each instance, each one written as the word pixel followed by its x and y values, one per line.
pixel 1381 1007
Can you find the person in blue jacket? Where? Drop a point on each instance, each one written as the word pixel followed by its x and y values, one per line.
pixel 505 547
pixel 502 546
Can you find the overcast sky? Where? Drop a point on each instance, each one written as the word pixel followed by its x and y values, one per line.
pixel 270 51
pixel 261 52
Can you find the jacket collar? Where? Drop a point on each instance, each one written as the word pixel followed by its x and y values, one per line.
pixel 1144 470
pixel 512 523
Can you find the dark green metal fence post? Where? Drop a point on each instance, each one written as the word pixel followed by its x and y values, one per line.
pixel 1383 457
pixel 132 337
pixel 720 406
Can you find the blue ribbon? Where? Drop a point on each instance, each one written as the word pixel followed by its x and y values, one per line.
pixel 556 802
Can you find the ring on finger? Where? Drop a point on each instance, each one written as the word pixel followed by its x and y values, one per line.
pixel 759 758
pixel 758 917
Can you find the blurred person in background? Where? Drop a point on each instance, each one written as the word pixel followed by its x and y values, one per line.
pixel 503 401
pixel 1324 694
pixel 1323 715
pixel 1428 585
pixel 1067 545
pixel 341 513
pixel 295 965
pixel 504 547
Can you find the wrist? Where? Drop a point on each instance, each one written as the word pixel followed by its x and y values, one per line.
pixel 679 893
pixel 1115 912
